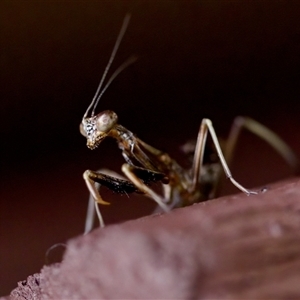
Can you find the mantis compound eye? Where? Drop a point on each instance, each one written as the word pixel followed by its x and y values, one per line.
pixel 87 127
pixel 106 120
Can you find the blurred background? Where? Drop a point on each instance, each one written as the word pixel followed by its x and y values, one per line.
pixel 216 59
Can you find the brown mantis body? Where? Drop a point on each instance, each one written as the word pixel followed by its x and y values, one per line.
pixel 146 164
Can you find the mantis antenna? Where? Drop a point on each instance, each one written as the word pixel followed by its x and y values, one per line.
pixel 124 65
pixel 111 59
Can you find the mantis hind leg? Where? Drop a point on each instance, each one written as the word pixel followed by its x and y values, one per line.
pixel 239 123
pixel 265 134
pixel 205 128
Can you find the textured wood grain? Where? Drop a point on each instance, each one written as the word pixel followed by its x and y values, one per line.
pixel 235 247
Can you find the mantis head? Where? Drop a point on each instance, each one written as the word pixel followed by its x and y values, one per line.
pixel 96 128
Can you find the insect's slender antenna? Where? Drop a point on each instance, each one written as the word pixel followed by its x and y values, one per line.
pixel 115 49
pixel 124 65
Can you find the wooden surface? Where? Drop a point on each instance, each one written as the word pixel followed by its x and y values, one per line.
pixel 234 247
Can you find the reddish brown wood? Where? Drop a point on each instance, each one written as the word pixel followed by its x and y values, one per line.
pixel 234 247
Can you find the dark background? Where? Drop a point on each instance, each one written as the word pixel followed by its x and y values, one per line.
pixel 215 59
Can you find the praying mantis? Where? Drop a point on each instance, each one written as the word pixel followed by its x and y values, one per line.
pixel 145 164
